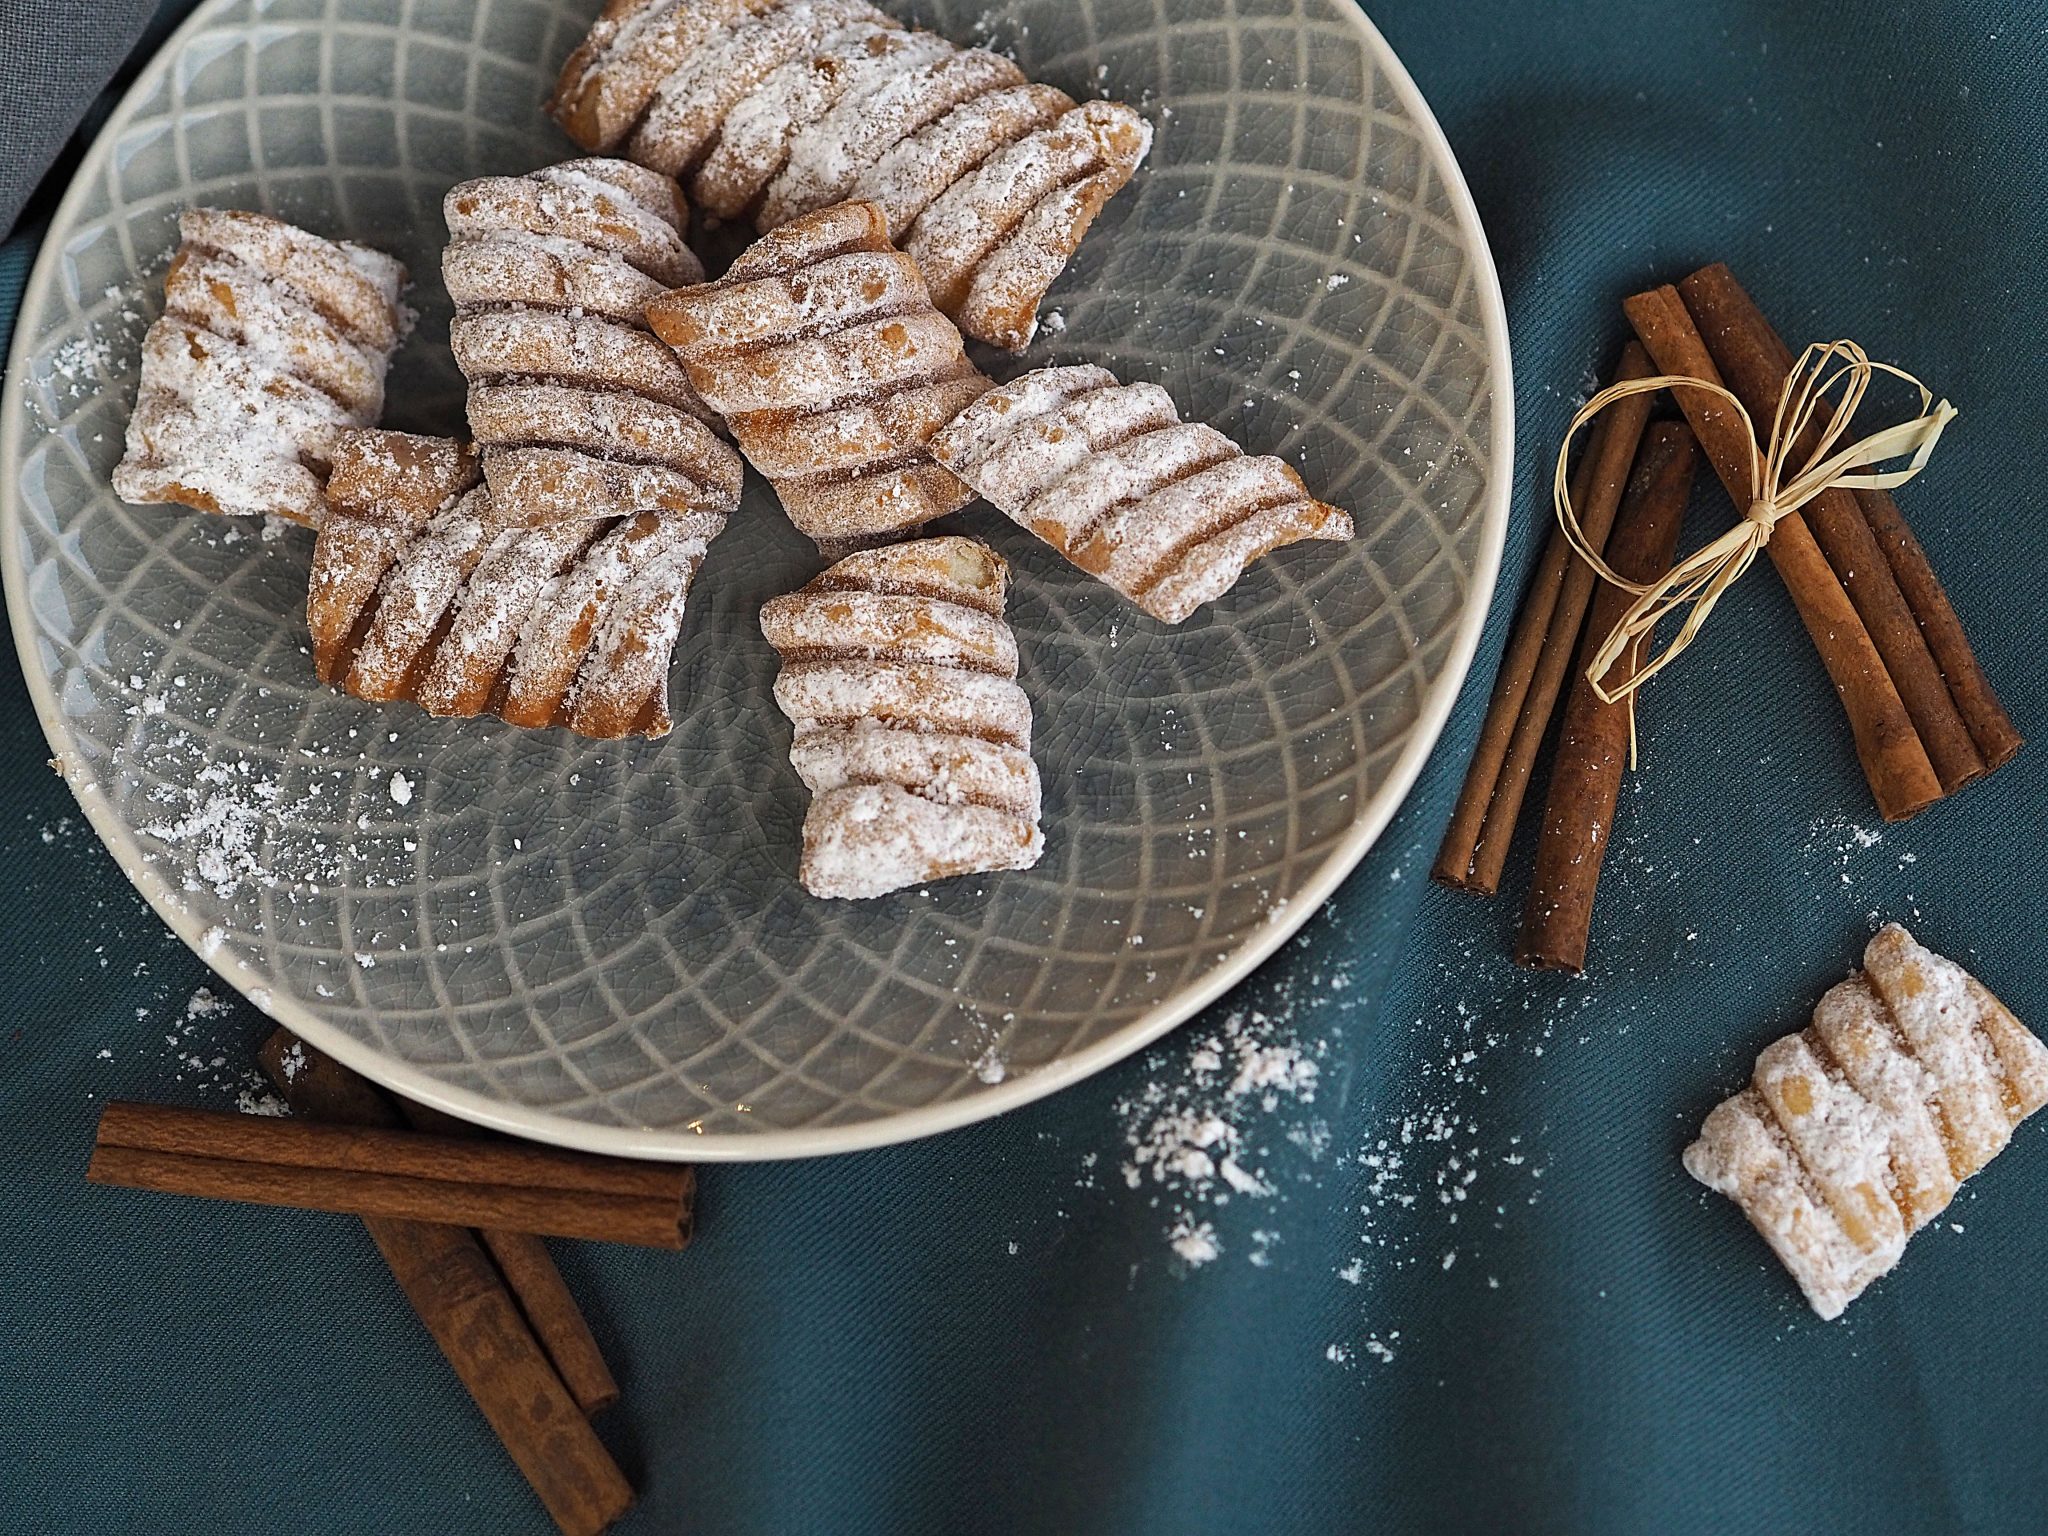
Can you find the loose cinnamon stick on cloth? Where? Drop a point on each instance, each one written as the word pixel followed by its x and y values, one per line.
pixel 552 1313
pixel 321 1088
pixel 543 1295
pixel 459 1297
pixel 472 1316
pixel 1990 727
pixel 1755 362
pixel 366 1171
pixel 1901 776
pixel 1546 635
pixel 1593 744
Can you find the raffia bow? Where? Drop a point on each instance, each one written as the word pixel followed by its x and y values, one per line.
pixel 1696 583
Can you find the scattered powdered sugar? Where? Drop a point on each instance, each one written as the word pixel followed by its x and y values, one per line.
pixel 1216 1127
pixel 220 828
pixel 1433 1174
pixel 207 1051
pixel 1838 842
pixel 1228 1127
pixel 1590 384
pixel 283 819
pixel 258 1098
pixel 82 360
pixel 1194 1241
pixel 205 1003
pixel 80 365
pixel 990 1066
pixel 999 31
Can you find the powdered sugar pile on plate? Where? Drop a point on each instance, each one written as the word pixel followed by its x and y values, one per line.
pixel 219 827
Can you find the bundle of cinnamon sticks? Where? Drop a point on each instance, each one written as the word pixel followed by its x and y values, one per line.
pixel 1923 716
pixel 458 1218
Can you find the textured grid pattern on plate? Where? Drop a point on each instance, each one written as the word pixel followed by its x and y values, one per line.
pixel 612 934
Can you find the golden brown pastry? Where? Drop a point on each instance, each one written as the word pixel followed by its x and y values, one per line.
pixel 1167 512
pixel 911 732
pixel 773 109
pixel 1856 1132
pixel 994 240
pixel 608 81
pixel 420 591
pixel 578 410
pixel 821 349
pixel 272 340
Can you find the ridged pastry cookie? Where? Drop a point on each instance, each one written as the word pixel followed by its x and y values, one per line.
pixel 578 410
pixel 911 732
pixel 683 117
pixel 993 242
pixel 1857 1132
pixel 608 81
pixel 821 349
pixel 272 340
pixel 420 591
pixel 1167 512
pixel 773 109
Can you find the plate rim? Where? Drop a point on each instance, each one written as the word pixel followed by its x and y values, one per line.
pixel 680 1144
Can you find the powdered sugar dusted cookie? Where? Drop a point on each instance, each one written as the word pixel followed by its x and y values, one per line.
pixel 607 83
pixel 821 349
pixel 1167 512
pixel 755 141
pixel 420 591
pixel 911 732
pixel 993 242
pixel 773 109
pixel 579 411
pixel 272 340
pixel 1855 1133
pixel 684 119
pixel 898 92
pixel 386 487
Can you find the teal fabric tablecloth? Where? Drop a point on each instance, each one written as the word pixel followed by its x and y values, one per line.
pixel 1482 1295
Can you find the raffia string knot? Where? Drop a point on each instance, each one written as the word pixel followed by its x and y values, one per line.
pixel 1821 396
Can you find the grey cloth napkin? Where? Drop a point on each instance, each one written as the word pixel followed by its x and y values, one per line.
pixel 60 55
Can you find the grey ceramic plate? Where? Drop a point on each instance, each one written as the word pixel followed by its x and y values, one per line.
pixel 604 945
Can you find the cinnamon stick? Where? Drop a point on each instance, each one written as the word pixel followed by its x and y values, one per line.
pixel 473 1318
pixel 449 1280
pixel 1901 776
pixel 321 1088
pixel 1755 362
pixel 368 1171
pixel 543 1295
pixel 1990 727
pixel 1532 672
pixel 1592 749
pixel 551 1311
